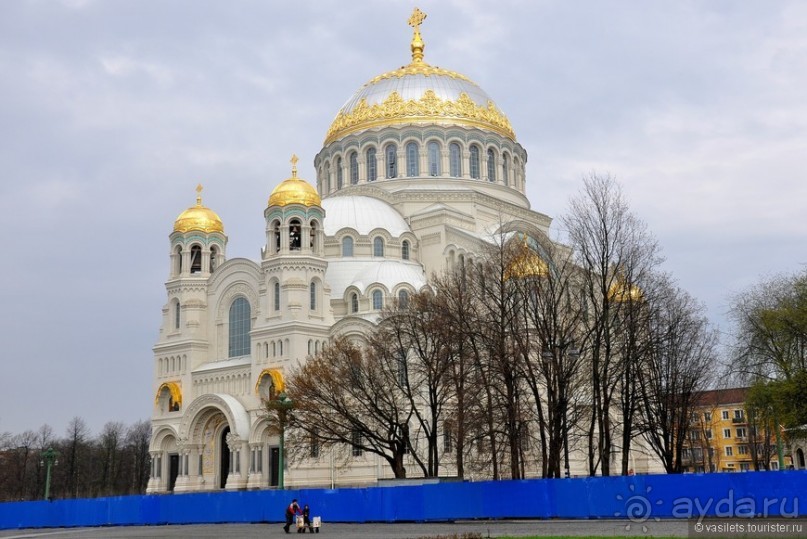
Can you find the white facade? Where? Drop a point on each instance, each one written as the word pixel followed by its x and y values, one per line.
pixel 418 170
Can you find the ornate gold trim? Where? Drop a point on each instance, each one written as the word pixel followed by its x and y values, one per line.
pixel 430 107
pixel 173 388
pixel 277 380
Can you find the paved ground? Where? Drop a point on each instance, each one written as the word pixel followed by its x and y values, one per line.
pixel 520 528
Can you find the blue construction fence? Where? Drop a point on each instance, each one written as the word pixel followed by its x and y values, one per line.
pixel 639 497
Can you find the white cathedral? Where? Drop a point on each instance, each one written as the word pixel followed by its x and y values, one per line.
pixel 418 171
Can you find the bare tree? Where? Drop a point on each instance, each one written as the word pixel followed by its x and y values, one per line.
pixel 681 356
pixel 137 441
pixel 75 448
pixel 546 281
pixel 613 250
pixel 421 345
pixel 347 396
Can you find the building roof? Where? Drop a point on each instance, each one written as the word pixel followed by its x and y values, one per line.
pixel 718 397
pixel 362 214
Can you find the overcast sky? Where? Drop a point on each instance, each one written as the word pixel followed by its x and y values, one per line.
pixel 111 113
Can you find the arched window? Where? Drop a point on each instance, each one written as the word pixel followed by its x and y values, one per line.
pixel 339 178
pixel 455 160
pixel 240 319
pixel 312 300
pixel 491 165
pixel 391 160
pixel 277 296
pixel 327 177
pixel 378 300
pixel 372 171
pixel 196 259
pixel 347 246
pixel 176 315
pixel 310 346
pixel 434 159
pixel 354 302
pixel 295 235
pixel 412 160
pixel 276 235
pixel 354 168
pixel 506 169
pixel 178 266
pixel 405 250
pixel 214 253
pixel 403 299
pixel 312 233
pixel 474 162
pixel 378 246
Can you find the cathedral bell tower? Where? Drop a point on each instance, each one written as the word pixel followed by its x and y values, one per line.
pixel 298 312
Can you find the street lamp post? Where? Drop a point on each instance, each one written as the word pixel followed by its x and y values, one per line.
pixel 282 404
pixel 49 456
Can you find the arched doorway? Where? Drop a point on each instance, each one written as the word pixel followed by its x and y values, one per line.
pixel 800 459
pixel 224 462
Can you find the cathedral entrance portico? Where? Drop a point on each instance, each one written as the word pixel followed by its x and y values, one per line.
pixel 215 428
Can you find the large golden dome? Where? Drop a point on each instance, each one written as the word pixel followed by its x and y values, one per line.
pixel 199 218
pixel 419 93
pixel 294 190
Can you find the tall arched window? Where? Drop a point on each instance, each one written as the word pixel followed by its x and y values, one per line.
pixel 354 302
pixel 277 296
pixel 312 235
pixel 176 315
pixel 403 299
pixel 455 160
pixel 405 250
pixel 295 235
pixel 354 168
pixel 474 162
pixel 378 300
pixel 339 178
pixel 327 177
pixel 312 300
pixel 372 171
pixel 196 259
pixel 378 246
pixel 491 165
pixel 276 235
pixel 391 160
pixel 347 246
pixel 506 169
pixel 434 159
pixel 240 319
pixel 412 160
pixel 178 266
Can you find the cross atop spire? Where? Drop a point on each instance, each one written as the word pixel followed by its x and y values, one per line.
pixel 417 45
pixel 293 162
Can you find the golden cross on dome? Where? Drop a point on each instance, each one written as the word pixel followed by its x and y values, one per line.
pixel 417 44
pixel 293 162
pixel 417 19
pixel 199 194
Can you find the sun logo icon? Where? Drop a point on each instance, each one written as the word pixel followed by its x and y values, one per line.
pixel 638 508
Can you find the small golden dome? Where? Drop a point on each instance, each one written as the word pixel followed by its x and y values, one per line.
pixel 198 217
pixel 294 190
pixel 620 292
pixel 526 264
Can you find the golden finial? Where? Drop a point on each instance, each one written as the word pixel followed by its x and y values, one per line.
pixel 293 162
pixel 199 195
pixel 417 44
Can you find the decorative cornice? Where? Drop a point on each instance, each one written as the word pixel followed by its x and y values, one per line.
pixel 429 108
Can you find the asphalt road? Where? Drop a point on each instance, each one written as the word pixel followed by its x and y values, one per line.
pixel 498 528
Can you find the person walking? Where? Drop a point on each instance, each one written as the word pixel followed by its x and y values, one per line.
pixel 292 510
